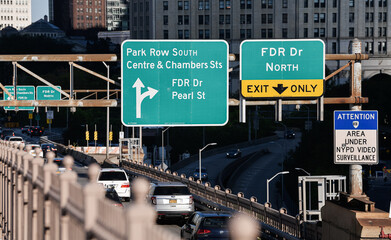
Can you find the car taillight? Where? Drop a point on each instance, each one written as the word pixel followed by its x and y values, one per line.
pixel 40 131
pixel 153 200
pixel 118 205
pixel 191 200
pixel 126 185
pixel 203 231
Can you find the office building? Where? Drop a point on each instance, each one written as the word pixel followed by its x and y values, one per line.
pixel 15 13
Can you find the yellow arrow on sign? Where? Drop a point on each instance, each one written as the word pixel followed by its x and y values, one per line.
pixel 282 88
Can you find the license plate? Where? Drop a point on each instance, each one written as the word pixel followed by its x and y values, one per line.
pixel 109 186
pixel 172 200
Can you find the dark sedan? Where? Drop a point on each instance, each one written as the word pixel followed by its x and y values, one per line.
pixel 206 225
pixel 48 147
pixel 235 153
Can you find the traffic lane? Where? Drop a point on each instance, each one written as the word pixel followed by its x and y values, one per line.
pixel 216 163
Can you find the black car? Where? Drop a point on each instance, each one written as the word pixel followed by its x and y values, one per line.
pixel 7 132
pixel 290 134
pixel 25 129
pixel 35 131
pixel 48 147
pixel 206 225
pixel 234 153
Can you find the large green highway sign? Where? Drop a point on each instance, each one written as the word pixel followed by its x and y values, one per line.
pixel 22 93
pixel 48 93
pixel 282 68
pixel 174 83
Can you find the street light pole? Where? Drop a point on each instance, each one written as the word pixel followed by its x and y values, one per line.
pixel 199 157
pixel 163 151
pixel 269 180
pixel 309 193
pixel 107 113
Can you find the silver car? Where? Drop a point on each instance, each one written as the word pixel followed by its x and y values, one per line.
pixel 171 199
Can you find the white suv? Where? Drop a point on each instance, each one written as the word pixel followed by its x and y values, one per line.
pixel 115 178
pixel 171 199
pixel 15 139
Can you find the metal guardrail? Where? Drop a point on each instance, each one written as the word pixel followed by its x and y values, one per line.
pixel 274 222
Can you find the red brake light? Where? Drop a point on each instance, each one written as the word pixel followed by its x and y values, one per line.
pixel 191 200
pixel 126 185
pixel 203 231
pixel 153 200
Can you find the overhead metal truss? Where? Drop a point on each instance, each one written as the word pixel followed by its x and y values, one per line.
pixel 69 97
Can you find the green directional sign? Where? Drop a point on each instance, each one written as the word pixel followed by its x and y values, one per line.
pixel 22 93
pixel 174 83
pixel 48 93
pixel 282 68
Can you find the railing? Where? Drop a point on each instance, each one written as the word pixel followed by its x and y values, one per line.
pixel 273 222
pixel 36 203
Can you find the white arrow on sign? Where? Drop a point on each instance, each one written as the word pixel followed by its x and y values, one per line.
pixel 140 97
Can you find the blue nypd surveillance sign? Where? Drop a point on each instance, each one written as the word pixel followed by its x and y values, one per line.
pixel 356 137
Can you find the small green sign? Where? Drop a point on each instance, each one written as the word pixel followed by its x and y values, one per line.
pixel 22 93
pixel 48 93
pixel 174 83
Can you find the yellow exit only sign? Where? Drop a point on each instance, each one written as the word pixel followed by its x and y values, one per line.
pixel 282 88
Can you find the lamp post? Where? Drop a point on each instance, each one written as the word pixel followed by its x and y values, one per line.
pixel 199 157
pixel 309 193
pixel 269 180
pixel 163 151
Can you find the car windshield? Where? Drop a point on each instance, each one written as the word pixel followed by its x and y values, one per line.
pixel 16 139
pixel 203 170
pixel 215 222
pixel 113 176
pixel 171 190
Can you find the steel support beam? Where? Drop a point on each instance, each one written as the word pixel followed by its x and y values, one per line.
pixel 59 103
pixel 59 58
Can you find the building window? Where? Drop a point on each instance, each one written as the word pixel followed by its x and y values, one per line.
pixel 263 3
pixel 367 32
pixel 200 19
pixel 263 18
pixel 285 33
pixel 305 17
pixel 186 5
pixel 221 19
pixel 371 32
pixel 186 21
pixel 221 4
pixel 380 19
pixel 306 32
pixel 227 19
pixel 270 18
pixel 180 20
pixel 165 5
pixel 180 34
pixel 242 19
pixel 322 32
pixel 207 34
pixel 248 18
pixel 243 4
pixel 206 7
pixel 227 33
pixel 200 34
pixel 221 33
pixel 227 4
pixel 316 17
pixel 242 33
pixel 180 5
pixel 334 48
pixel 334 17
pixel 384 17
pixel 384 31
pixel 248 31
pixel 351 17
pixel 322 3
pixel 316 32
pixel 351 32
pixel 201 4
pixel 322 17
pixel 305 3
pixel 249 4
pixel 334 32
pixel 284 3
pixel 351 3
pixel 334 3
pixel 263 33
pixel 270 4
pixel 284 18
pixel 270 33
pixel 316 3
pixel 187 34
pixel 165 34
pixel 379 32
pixel 206 19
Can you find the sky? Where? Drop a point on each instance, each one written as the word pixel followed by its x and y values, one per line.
pixel 39 8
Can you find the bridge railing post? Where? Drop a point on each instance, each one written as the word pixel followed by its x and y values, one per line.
pixel 48 169
pixel 19 193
